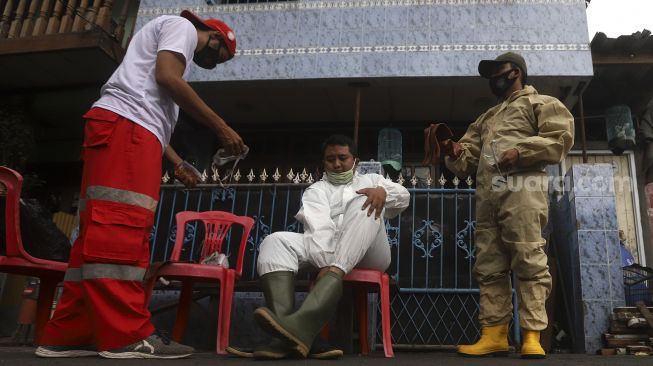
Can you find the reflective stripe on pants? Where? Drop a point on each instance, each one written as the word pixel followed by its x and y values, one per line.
pixel 107 271
pixel 103 302
pixel 118 196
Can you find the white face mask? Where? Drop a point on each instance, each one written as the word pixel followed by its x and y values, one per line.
pixel 342 177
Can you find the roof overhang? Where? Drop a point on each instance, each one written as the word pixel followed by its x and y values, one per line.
pixel 58 60
pixel 623 72
pixel 383 100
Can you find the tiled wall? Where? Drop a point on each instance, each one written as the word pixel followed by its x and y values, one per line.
pixel 335 38
pixel 587 247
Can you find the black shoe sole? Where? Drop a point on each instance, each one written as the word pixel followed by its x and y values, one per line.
pixel 268 324
pixel 533 357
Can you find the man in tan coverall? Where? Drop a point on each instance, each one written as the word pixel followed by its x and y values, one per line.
pixel 508 148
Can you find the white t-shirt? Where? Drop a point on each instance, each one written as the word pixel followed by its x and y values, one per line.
pixel 132 90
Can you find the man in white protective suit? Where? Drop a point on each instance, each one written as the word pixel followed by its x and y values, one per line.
pixel 344 228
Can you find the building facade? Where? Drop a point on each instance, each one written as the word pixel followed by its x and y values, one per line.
pixel 309 68
pixel 306 69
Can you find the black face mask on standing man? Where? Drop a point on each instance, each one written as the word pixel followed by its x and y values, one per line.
pixel 501 83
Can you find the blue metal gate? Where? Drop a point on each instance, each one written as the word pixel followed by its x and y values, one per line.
pixel 437 299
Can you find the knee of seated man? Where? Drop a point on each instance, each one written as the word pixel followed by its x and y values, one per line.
pixel 357 202
pixel 269 258
pixel 271 242
pixel 356 205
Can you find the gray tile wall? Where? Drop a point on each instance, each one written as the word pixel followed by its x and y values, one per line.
pixel 336 39
pixel 587 247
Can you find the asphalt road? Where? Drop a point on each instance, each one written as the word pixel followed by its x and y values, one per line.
pixel 24 356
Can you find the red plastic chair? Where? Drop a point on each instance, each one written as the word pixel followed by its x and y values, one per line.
pixel 216 226
pixel 18 261
pixel 369 276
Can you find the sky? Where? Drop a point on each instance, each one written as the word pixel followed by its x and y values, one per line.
pixel 619 17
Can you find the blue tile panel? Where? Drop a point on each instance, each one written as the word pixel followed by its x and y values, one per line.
pixel 587 244
pixel 392 38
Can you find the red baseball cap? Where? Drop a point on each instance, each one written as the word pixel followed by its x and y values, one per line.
pixel 227 33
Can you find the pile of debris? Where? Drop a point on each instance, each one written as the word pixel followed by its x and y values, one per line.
pixel 631 331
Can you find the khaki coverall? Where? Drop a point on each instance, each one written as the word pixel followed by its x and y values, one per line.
pixel 512 206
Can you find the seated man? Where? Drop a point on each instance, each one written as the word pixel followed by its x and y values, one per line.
pixel 343 228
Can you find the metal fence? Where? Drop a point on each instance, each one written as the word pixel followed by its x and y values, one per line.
pixel 437 299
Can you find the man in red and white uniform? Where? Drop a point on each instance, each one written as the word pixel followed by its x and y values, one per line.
pixel 102 309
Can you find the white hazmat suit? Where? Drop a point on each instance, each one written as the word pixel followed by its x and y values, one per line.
pixel 337 232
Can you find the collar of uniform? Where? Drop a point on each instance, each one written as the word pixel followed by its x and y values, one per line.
pixel 527 90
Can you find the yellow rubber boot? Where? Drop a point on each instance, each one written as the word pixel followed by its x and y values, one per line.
pixel 531 348
pixel 493 342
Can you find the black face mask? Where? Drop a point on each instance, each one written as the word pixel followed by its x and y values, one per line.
pixel 501 83
pixel 207 57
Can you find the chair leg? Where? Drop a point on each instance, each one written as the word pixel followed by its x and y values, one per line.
pixel 185 299
pixel 224 312
pixel 47 288
pixel 385 315
pixel 361 304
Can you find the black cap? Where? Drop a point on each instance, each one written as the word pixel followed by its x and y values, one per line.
pixel 487 67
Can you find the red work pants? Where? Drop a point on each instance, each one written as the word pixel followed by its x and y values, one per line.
pixel 103 301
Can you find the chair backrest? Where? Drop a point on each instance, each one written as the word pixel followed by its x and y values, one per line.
pixel 12 182
pixel 216 227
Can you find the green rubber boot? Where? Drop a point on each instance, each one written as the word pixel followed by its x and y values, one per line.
pixel 300 328
pixel 279 291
